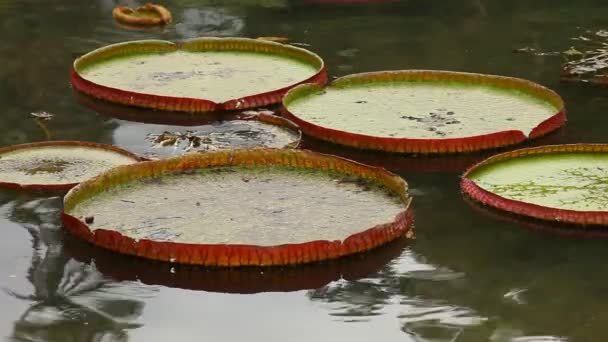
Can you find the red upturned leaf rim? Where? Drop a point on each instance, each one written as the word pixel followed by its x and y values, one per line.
pixel 235 255
pixel 126 15
pixel 60 143
pixel 228 280
pixel 186 104
pixel 429 146
pixel 586 219
pixel 561 230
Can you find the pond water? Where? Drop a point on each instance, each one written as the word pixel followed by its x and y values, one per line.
pixel 468 275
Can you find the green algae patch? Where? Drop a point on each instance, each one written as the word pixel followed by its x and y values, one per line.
pixel 411 112
pixel 255 207
pixel 58 164
pixel 566 183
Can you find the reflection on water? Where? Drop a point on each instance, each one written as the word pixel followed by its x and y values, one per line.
pixel 69 300
pixel 467 277
pixel 404 287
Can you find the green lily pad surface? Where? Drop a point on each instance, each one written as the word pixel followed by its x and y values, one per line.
pixel 571 181
pixel 217 76
pixel 49 164
pixel 242 205
pixel 422 110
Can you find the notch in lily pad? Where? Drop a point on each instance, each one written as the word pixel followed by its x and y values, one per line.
pixel 558 183
pixel 197 75
pixel 424 111
pixel 58 165
pixel 256 207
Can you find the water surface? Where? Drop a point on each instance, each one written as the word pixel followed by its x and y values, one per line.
pixel 468 276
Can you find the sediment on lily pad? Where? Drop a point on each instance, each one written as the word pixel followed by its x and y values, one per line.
pixel 58 164
pixel 423 111
pixel 146 15
pixel 256 207
pixel 558 183
pixel 228 280
pixel 198 75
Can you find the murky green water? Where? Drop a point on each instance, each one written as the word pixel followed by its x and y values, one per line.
pixel 469 276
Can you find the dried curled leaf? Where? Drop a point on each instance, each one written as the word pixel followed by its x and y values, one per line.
pixel 146 15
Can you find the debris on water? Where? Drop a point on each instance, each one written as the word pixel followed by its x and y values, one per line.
pixel 587 63
pixel 89 219
pixel 410 234
pixel 572 52
pixel 348 52
pixel 195 141
pixel 166 139
pixel 602 33
pixel 42 115
pixel 516 295
pixel 525 49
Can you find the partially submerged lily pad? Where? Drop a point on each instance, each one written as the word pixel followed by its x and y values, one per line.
pixel 243 207
pixel 57 164
pixel 587 62
pixel 198 75
pixel 420 111
pixel 240 131
pixel 146 15
pixel 560 183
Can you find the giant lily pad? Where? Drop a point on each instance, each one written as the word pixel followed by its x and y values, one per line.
pixel 255 207
pixel 419 111
pixel 560 183
pixel 198 75
pixel 238 131
pixel 57 164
